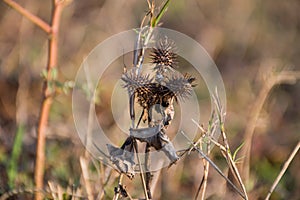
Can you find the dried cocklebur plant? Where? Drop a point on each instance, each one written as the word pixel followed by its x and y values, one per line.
pixel 152 94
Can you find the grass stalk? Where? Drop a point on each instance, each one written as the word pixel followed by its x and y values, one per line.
pixel 85 174
pixel 283 77
pixel 284 168
pixel 194 147
pixel 141 171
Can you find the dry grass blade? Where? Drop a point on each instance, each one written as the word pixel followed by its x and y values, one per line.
pixel 287 77
pixel 203 184
pixel 214 166
pixel 85 173
pixel 53 190
pixel 225 149
pixel 284 168
pixel 141 171
pixel 233 168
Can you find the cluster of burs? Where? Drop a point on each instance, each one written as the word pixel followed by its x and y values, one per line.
pixel 155 93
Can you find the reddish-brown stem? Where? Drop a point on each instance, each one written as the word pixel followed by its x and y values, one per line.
pixel 33 18
pixel 47 97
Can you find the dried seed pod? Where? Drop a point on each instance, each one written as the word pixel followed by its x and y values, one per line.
pixel 151 94
pixel 163 55
pixel 133 80
pixel 180 85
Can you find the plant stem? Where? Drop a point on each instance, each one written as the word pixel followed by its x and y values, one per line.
pixel 213 165
pixel 52 30
pixel 284 168
pixel 116 196
pixel 47 96
pixel 47 91
pixel 33 18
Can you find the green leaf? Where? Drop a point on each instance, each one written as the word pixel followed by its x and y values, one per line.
pixel 54 73
pixel 50 86
pixel 160 14
pixel 58 84
pixel 69 84
pixel 237 150
pixel 44 74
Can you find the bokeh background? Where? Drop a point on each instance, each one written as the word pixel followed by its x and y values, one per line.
pixel 248 40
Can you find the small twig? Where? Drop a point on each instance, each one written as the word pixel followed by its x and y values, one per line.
pixel 141 171
pixel 231 163
pixel 148 173
pixel 203 184
pixel 206 170
pixel 138 46
pixel 199 188
pixel 117 194
pixel 120 189
pixel 47 97
pixel 214 166
pixel 284 168
pixel 141 45
pixel 104 182
pixel 85 173
pixel 226 150
pixel 33 18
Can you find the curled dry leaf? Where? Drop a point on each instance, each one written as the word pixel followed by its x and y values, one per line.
pixel 158 140
pixel 122 159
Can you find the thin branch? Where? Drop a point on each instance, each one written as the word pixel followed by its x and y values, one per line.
pixel 47 97
pixel 85 173
pixel 199 188
pixel 284 168
pixel 232 166
pixel 231 163
pixel 141 171
pixel 203 184
pixel 117 194
pixel 214 166
pixel 206 170
pixel 148 173
pixel 31 17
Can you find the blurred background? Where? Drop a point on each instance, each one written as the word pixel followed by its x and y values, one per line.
pixel 248 40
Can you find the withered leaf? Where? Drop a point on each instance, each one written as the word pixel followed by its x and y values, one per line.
pixel 122 159
pixel 156 138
